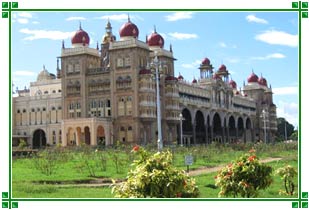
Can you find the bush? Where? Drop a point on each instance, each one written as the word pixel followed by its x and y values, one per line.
pixel 154 176
pixel 22 144
pixel 46 162
pixel 244 177
pixel 287 173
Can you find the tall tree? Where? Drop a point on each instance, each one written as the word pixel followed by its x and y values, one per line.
pixel 285 129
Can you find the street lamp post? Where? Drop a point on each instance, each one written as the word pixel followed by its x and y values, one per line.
pixel 264 119
pixel 181 138
pixel 160 141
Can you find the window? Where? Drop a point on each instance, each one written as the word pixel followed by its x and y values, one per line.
pixel 77 105
pixel 54 91
pixel 119 62
pixel 127 61
pixel 59 107
pixel 53 108
pixel 59 91
pixel 38 109
pixel 18 111
pixel 32 110
pixel 129 128
pixel 46 92
pixel 44 109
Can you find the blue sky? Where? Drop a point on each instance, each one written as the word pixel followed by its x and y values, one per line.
pixel 265 42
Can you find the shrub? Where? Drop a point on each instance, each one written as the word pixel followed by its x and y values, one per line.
pixel 244 177
pixel 46 162
pixel 22 144
pixel 154 176
pixel 287 173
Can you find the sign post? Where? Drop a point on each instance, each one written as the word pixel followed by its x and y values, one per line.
pixel 188 162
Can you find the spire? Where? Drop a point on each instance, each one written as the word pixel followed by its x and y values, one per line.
pixel 63 44
pixel 129 21
pixel 97 45
pixel 171 48
pixel 57 63
pixel 154 29
pixel 244 83
pixel 44 67
pixel 80 25
pixel 146 39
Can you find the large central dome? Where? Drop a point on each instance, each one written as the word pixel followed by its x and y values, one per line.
pixel 129 29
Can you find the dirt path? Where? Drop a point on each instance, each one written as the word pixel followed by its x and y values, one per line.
pixel 206 170
pixel 202 170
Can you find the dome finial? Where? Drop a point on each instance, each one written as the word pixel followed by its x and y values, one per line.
pixel 129 21
pixel 80 25
pixel 97 45
pixel 154 29
pixel 171 48
pixel 63 44
pixel 44 67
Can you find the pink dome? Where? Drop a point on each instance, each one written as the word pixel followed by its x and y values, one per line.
pixel 80 37
pixel 222 68
pixel 180 77
pixel 194 81
pixel 155 39
pixel 129 29
pixel 252 78
pixel 170 78
pixel 232 84
pixel 205 61
pixel 262 81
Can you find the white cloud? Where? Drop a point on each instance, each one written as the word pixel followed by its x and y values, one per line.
pixel 24 14
pixel 179 16
pixel 44 34
pixel 253 18
pixel 182 36
pixel 75 18
pixel 35 22
pixel 22 20
pixel 270 56
pixel 293 90
pixel 120 17
pixel 24 73
pixel 222 44
pixel 192 65
pixel 289 111
pixel 278 38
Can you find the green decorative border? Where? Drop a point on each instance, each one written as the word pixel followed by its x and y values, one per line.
pixel 9 7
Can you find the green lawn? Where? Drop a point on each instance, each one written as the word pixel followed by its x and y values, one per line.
pixel 78 164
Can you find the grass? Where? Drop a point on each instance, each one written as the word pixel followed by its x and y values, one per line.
pixel 29 182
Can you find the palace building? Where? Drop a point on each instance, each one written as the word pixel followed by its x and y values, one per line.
pixel 107 94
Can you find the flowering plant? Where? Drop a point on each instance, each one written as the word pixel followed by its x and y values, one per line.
pixel 154 176
pixel 244 177
pixel 287 173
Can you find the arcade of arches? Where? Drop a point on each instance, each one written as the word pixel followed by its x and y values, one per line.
pixel 87 131
pixel 205 127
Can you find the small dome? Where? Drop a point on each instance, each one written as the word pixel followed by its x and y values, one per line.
pixel 180 77
pixel 155 39
pixel 216 76
pixel 222 68
pixel 262 81
pixel 45 75
pixel 80 37
pixel 128 30
pixel 206 61
pixel 232 84
pixel 171 78
pixel 194 81
pixel 252 78
pixel 237 92
pixel 145 71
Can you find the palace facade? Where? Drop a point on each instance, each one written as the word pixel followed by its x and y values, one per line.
pixel 106 94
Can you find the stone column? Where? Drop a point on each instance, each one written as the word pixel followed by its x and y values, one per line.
pixel 77 134
pixel 211 134
pixel 64 136
pixel 93 135
pixel 206 131
pixel 228 135
pixel 223 134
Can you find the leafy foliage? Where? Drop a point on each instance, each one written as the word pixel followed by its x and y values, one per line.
pixel 244 177
pixel 287 173
pixel 154 176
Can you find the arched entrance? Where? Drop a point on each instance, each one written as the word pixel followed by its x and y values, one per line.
pixel 217 128
pixel 248 133
pixel 39 139
pixel 100 135
pixel 87 135
pixel 200 128
pixel 232 129
pixel 240 127
pixel 187 128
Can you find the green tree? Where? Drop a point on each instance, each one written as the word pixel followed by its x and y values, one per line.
pixel 284 128
pixel 154 176
pixel 244 177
